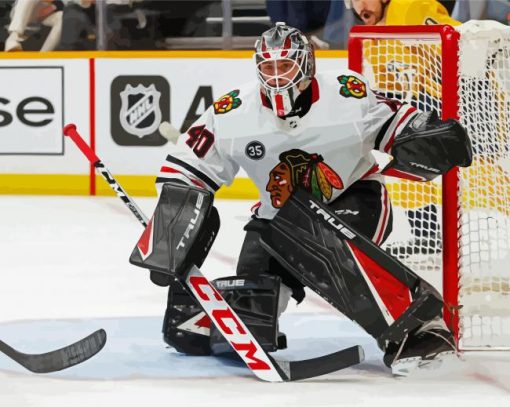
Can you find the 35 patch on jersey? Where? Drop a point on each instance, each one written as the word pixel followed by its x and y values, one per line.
pixel 352 87
pixel 227 102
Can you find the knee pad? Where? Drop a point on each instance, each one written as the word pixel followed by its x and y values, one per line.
pixel 185 326
pixel 256 301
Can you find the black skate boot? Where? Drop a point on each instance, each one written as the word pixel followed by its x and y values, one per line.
pixel 186 326
pixel 423 349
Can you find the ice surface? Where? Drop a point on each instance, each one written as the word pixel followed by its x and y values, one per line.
pixel 64 272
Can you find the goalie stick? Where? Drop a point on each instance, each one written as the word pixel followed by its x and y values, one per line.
pixel 59 359
pixel 264 366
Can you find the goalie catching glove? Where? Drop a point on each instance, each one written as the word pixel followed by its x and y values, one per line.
pixel 181 231
pixel 428 147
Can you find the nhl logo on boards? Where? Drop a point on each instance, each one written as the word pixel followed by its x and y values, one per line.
pixel 138 106
pixel 140 113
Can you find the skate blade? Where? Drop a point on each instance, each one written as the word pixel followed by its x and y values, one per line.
pixel 416 366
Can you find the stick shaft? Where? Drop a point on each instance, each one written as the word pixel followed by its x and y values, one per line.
pixel 70 131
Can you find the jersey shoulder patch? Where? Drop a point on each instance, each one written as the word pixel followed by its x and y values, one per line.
pixel 227 102
pixel 351 86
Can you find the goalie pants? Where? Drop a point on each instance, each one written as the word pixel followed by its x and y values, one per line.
pixel 365 206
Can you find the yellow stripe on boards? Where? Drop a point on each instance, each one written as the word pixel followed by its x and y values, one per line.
pixel 134 185
pixel 142 185
pixel 44 184
pixel 227 54
pixel 406 195
pixel 241 188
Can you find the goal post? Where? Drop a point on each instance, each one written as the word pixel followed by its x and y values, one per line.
pixel 457 227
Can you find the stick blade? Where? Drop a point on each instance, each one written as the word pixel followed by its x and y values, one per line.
pixel 59 359
pixel 308 368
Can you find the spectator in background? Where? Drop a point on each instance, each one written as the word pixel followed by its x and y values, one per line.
pixel 466 10
pixel 179 18
pixel 400 12
pixel 449 5
pixel 5 19
pixel 308 16
pixel 338 25
pixel 123 18
pixel 29 17
pixel 340 21
pixel 79 26
pixel 132 24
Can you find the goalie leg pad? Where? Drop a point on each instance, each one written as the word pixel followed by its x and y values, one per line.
pixel 337 270
pixel 323 263
pixel 426 306
pixel 255 301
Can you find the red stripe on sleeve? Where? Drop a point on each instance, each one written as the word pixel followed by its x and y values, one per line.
pixel 384 215
pixel 170 170
pixel 195 181
pixel 387 147
pixel 255 207
pixel 371 171
pixel 392 172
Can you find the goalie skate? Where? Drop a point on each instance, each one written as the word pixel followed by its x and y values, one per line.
pixel 421 351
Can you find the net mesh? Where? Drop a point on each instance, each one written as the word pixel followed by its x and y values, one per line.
pixel 410 69
pixel 484 109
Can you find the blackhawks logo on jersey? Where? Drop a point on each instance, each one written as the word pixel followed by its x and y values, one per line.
pixel 227 102
pixel 352 87
pixel 297 168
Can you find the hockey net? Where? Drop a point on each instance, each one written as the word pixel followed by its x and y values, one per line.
pixel 457 227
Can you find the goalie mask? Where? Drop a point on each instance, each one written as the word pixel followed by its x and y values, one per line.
pixel 285 66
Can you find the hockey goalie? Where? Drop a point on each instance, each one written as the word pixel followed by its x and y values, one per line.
pixel 306 140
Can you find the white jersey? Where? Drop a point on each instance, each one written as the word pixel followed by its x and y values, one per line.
pixel 324 151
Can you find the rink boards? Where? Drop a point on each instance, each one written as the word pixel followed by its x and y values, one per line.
pixel 117 100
